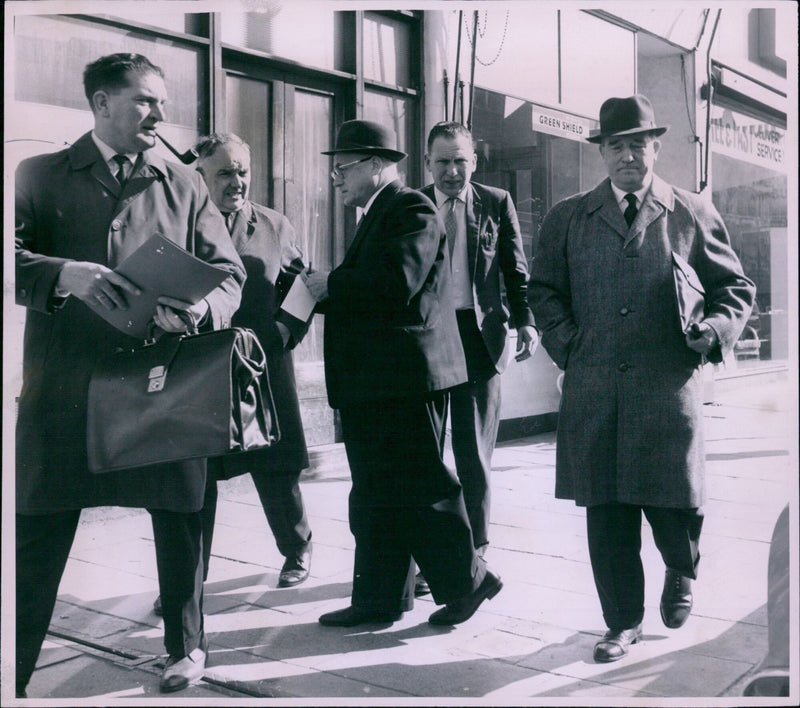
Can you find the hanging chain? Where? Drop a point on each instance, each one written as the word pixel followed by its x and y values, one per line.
pixel 482 33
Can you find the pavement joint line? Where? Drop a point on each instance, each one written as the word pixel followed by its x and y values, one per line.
pixel 94 645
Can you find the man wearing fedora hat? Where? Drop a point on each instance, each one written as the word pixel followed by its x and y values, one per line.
pixel 630 430
pixel 392 350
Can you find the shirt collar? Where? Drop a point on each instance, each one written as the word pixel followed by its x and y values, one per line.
pixel 372 199
pixel 640 193
pixel 441 197
pixel 108 152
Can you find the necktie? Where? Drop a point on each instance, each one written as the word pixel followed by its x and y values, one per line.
pixel 229 219
pixel 450 223
pixel 122 161
pixel 630 210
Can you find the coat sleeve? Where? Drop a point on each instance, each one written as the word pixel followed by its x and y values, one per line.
pixel 36 274
pixel 729 292
pixel 408 250
pixel 513 263
pixel 549 290
pixel 213 244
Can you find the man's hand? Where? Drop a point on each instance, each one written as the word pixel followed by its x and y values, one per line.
pixel 527 341
pixel 317 284
pixel 96 285
pixel 701 338
pixel 169 320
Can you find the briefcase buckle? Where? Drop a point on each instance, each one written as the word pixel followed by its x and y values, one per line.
pixel 157 376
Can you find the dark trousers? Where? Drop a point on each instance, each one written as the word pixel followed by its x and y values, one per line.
pixel 42 548
pixel 615 541
pixel 405 505
pixel 282 501
pixel 474 421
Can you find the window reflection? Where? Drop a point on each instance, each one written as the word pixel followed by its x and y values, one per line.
pixel 56 49
pixel 752 201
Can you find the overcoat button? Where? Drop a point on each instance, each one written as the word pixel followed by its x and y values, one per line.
pixel 116 224
pixel 624 367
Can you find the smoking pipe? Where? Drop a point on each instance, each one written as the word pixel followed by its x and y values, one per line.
pixel 187 158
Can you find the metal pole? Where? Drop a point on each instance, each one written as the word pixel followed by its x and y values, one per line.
pixel 446 89
pixel 472 68
pixel 458 61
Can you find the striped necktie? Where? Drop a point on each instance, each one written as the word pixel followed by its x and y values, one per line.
pixel 451 223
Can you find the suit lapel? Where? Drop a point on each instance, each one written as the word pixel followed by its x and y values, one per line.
pixel 377 209
pixel 474 214
pixel 603 200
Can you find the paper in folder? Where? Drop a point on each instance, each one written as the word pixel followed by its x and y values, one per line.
pixel 160 267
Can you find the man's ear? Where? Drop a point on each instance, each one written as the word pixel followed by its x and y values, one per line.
pixel 428 163
pixel 100 102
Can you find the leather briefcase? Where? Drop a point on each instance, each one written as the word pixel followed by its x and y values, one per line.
pixel 179 398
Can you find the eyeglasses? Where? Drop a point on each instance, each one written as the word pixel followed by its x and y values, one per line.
pixel 338 170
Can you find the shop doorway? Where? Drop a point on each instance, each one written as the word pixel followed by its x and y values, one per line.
pixel 287 125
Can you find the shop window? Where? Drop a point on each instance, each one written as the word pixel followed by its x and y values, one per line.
pixel 51 53
pixel 752 200
pixel 290 30
pixel 387 50
pixel 537 167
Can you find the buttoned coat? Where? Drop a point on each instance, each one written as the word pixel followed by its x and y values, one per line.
pixel 390 324
pixel 494 247
pixel 630 425
pixel 265 241
pixel 70 207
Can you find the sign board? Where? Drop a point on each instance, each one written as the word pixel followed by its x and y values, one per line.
pixel 748 139
pixel 561 124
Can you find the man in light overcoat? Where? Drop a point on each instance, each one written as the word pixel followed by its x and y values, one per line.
pixel 79 213
pixel 630 431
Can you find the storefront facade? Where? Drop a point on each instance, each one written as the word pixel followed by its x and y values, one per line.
pixel 285 77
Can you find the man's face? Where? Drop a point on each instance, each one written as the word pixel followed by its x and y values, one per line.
pixel 630 159
pixel 227 176
pixel 451 162
pixel 357 180
pixel 127 119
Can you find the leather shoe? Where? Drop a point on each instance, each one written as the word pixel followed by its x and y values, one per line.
pixel 421 586
pixel 157 608
pixel 352 616
pixel 676 599
pixel 295 569
pixel 614 644
pixel 462 609
pixel 185 671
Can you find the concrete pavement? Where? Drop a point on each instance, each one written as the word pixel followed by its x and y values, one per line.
pixel 531 645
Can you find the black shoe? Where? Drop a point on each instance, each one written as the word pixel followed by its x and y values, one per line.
pixel 179 673
pixel 421 586
pixel 676 599
pixel 157 608
pixel 614 644
pixel 296 569
pixel 462 609
pixel 352 616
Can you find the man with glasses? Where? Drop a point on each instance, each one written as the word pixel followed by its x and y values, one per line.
pixel 392 351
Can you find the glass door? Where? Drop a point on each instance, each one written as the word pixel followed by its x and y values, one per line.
pixel 287 126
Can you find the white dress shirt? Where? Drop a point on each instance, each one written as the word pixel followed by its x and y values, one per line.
pixel 459 259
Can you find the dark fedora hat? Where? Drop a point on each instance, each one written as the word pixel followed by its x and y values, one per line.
pixel 366 136
pixel 626 116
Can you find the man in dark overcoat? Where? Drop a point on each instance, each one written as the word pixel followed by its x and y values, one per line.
pixel 391 352
pixel 630 430
pixel 265 241
pixel 485 246
pixel 79 213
